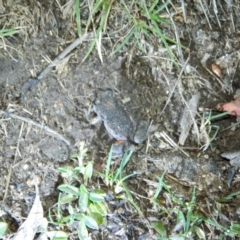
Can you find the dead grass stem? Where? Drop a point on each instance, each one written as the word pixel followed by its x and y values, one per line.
pixel 48 130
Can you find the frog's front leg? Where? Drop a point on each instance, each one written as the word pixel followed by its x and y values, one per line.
pixel 91 116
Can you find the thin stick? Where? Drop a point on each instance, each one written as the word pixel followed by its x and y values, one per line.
pixel 14 162
pixel 32 82
pixel 216 12
pixel 176 35
pixel 174 87
pixel 172 143
pixel 184 11
pixel 203 9
pixel 48 130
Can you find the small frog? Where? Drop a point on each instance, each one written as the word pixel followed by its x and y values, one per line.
pixel 116 119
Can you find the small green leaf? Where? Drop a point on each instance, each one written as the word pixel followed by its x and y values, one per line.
pixel 70 210
pixel 79 169
pixel 176 237
pixel 200 233
pixel 90 222
pixel 57 235
pixel 82 230
pixel 83 189
pixel 83 202
pixel 159 227
pixel 98 217
pixel 68 198
pixel 88 171
pixel 98 207
pixel 97 196
pixel 236 228
pixel 67 172
pixel 3 228
pixel 66 219
pixel 79 216
pixel 64 169
pixel 69 189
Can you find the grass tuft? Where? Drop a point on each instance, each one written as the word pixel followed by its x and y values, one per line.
pixel 142 24
pixel 189 221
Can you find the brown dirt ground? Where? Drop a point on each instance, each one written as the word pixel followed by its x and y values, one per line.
pixel 63 99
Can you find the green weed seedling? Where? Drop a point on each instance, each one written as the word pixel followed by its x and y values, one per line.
pixel 86 172
pixel 76 204
pixel 116 178
pixel 189 223
pixel 183 213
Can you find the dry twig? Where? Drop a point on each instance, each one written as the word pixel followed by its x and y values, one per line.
pixel 14 161
pixel 33 82
pixel 45 128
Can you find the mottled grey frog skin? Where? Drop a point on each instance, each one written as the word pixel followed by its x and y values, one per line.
pixel 116 119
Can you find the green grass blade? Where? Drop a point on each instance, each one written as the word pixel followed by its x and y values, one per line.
pixel 125 178
pixel 96 7
pixel 120 46
pixel 163 38
pixel 104 17
pixel 123 164
pixel 131 200
pixel 109 160
pixel 154 4
pixel 228 198
pixel 163 6
pixel 159 186
pixel 8 32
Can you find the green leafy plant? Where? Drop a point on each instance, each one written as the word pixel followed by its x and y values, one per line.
pixel 76 204
pixel 189 222
pixel 116 178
